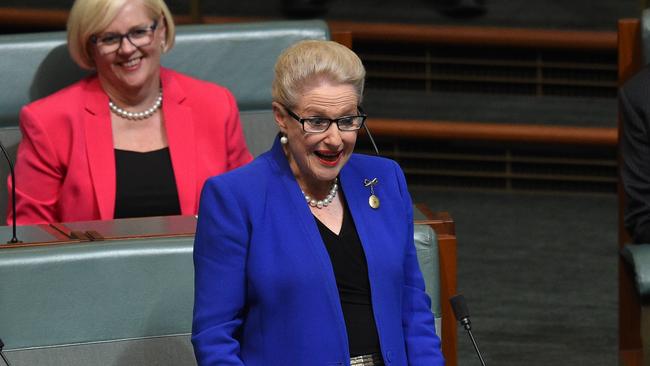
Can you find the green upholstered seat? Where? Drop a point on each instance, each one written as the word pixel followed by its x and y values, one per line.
pixel 117 302
pixel 638 257
pixel 238 56
pixel 129 302
pixel 426 245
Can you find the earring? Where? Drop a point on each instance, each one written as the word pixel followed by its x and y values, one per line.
pixel 284 140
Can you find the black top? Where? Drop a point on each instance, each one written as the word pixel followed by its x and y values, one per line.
pixel 145 184
pixel 351 273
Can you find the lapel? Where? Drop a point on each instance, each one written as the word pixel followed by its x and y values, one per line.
pixel 297 207
pixel 179 126
pixel 311 240
pixel 356 194
pixel 99 147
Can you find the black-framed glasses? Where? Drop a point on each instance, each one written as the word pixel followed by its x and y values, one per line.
pixel 138 37
pixel 321 124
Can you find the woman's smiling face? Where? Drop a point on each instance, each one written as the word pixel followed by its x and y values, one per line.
pixel 131 67
pixel 317 158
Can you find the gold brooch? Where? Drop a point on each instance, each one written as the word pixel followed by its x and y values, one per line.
pixel 373 200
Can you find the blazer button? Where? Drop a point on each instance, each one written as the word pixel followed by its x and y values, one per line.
pixel 389 356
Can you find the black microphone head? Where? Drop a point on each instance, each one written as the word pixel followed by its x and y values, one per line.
pixel 459 306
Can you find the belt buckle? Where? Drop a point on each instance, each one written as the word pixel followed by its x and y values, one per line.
pixel 373 359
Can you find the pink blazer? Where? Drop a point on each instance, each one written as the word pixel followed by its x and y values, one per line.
pixel 65 165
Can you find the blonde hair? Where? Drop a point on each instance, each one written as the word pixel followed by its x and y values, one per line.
pixel 311 61
pixel 89 17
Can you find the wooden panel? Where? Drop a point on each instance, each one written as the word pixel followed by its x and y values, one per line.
pixel 195 11
pixel 489 36
pixel 629 317
pixel 484 36
pixel 630 61
pixel 443 225
pixel 57 18
pixel 448 288
pixel 630 55
pixel 32 235
pixel 629 305
pixel 426 129
pixel 132 228
pixel 630 358
pixel 27 18
pixel 342 37
pixel 440 221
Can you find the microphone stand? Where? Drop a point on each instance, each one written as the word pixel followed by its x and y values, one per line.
pixel 14 238
pixel 461 312
pixel 471 337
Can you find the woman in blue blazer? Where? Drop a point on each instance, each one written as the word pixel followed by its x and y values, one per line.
pixel 305 256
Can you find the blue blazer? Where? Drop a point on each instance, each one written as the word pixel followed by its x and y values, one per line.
pixel 265 292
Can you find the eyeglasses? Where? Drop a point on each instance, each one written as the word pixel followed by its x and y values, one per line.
pixel 321 124
pixel 111 42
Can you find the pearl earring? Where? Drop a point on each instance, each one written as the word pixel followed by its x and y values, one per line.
pixel 284 140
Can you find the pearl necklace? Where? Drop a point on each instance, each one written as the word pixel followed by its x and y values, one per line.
pixel 325 202
pixel 136 115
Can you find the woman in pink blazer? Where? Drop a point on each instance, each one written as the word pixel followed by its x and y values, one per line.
pixel 132 140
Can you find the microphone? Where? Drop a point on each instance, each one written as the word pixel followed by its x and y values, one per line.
pixel 14 239
pixel 462 315
pixel 365 126
pixel 371 139
pixel 2 345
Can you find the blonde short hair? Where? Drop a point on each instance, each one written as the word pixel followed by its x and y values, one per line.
pixel 312 61
pixel 89 17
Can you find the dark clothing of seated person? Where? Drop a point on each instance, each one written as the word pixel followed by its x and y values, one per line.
pixel 634 104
